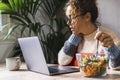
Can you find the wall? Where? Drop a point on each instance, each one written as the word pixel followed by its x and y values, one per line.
pixel 6 46
pixel 0 22
pixel 110 14
pixel 4 19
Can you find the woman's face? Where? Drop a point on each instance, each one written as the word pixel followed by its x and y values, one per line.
pixel 76 22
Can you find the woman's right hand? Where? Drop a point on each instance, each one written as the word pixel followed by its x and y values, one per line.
pixel 105 39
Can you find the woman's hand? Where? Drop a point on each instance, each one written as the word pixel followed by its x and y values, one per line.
pixel 105 39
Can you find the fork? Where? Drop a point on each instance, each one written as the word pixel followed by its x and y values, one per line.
pixel 97 43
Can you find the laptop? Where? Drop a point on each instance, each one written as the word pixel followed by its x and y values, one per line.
pixel 35 60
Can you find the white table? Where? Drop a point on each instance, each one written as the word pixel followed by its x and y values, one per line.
pixel 24 74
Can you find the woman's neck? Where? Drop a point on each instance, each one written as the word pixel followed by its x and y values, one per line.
pixel 90 29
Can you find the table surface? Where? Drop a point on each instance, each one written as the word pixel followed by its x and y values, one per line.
pixel 24 74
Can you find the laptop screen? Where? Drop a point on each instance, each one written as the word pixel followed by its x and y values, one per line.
pixel 33 54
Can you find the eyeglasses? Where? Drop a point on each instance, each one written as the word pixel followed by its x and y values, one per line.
pixel 70 19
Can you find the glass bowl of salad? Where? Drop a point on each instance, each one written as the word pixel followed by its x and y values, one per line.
pixel 91 66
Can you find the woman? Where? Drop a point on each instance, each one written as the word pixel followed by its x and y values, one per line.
pixel 82 15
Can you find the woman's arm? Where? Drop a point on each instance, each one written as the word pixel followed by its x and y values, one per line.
pixel 110 44
pixel 114 55
pixel 66 54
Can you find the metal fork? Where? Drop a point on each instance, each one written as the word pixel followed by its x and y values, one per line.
pixel 96 54
pixel 97 43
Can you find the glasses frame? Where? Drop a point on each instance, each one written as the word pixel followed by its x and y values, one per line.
pixel 70 19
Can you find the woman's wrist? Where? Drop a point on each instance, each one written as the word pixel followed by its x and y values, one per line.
pixel 113 52
pixel 70 46
pixel 75 39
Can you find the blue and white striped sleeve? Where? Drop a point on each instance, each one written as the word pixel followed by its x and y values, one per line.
pixel 69 49
pixel 70 46
pixel 114 55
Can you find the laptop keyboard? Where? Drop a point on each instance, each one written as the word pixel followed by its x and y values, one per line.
pixel 54 69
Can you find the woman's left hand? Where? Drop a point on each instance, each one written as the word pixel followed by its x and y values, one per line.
pixel 105 39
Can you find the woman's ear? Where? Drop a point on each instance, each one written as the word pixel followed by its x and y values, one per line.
pixel 87 16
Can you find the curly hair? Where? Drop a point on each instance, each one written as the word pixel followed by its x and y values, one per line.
pixel 83 7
